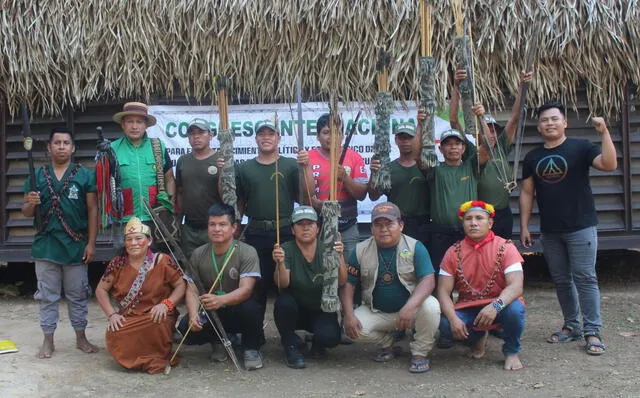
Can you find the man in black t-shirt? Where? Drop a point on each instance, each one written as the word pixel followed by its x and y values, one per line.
pixel 558 173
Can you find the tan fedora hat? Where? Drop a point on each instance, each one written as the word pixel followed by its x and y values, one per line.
pixel 135 108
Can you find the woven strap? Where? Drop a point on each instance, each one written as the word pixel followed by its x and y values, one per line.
pixel 466 286
pixel 156 146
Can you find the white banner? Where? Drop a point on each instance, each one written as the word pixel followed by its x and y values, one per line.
pixel 173 122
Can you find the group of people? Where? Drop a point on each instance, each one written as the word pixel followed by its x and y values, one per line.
pixel 443 229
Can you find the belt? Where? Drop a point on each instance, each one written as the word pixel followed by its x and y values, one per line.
pixel 268 225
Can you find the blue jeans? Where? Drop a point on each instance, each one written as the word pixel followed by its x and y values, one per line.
pixel 571 258
pixel 511 318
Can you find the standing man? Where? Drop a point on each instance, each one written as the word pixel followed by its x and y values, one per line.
pixel 299 273
pixel 409 189
pixel 352 181
pixel 137 163
pixel 66 241
pixel 256 190
pixel 497 171
pixel 558 173
pixel 196 186
pixel 452 182
pixel 234 265
pixel 486 271
pixel 397 281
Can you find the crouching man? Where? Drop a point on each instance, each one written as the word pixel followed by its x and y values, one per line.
pixel 397 280
pixel 486 270
pixel 232 269
pixel 299 276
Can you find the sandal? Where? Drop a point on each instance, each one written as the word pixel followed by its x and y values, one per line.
pixel 419 365
pixel 387 354
pixel 594 344
pixel 561 337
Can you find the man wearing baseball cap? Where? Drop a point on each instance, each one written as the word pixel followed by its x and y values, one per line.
pixel 397 280
pixel 299 276
pixel 492 180
pixel 409 189
pixel 196 186
pixel 486 271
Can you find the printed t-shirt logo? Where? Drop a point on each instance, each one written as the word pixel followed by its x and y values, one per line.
pixel 73 192
pixel 233 273
pixel 464 178
pixel 274 174
pixel 552 169
pixel 415 179
pixel 212 170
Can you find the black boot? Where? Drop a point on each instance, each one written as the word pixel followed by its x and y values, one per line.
pixel 293 358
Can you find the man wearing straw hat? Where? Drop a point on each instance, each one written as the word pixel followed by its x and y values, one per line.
pixel 486 271
pixel 299 274
pixel 496 173
pixel 196 186
pixel 231 269
pixel 137 163
pixel 397 280
pixel 267 186
pixel 409 188
pixel 352 180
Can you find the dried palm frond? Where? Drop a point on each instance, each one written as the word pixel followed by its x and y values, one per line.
pixel 72 52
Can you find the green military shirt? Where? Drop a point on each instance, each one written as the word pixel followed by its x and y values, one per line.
pixel 138 171
pixel 242 263
pixel 198 179
pixel 490 188
pixel 54 243
pixel 409 190
pixel 255 185
pixel 306 279
pixel 451 186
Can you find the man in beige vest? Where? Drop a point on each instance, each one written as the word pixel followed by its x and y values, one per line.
pixel 397 280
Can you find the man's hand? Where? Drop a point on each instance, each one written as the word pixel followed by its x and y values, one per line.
pixel 459 76
pixel 352 326
pixel 278 254
pixel 303 158
pixel 485 317
pixel 212 302
pixel 526 77
pixel 342 173
pixel 525 237
pixel 159 312
pixel 599 124
pixel 220 163
pixel 478 110
pixel 89 253
pixel 194 322
pixel 405 318
pixel 374 165
pixel 33 198
pixel 459 329
pixel 338 246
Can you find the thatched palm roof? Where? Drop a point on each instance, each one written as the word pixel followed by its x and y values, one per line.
pixel 69 52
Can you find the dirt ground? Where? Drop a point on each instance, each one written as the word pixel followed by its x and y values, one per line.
pixel 550 370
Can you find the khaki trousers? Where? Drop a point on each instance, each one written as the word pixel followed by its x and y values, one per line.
pixel 377 326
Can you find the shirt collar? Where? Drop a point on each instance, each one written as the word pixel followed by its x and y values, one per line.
pixel 478 245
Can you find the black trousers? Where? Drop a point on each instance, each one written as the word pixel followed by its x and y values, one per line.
pixel 503 223
pixel 417 228
pixel 291 316
pixel 245 318
pixel 442 238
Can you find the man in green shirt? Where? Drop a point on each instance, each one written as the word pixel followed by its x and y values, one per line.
pixel 256 189
pixel 232 268
pixel 138 166
pixel 452 183
pixel 409 189
pixel 497 172
pixel 397 280
pixel 299 276
pixel 196 186
pixel 65 196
